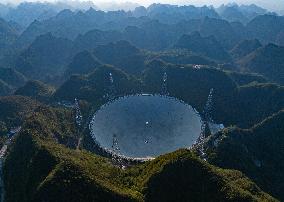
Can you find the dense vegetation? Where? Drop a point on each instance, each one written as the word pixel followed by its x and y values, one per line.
pixel 207 46
pixel 53 172
pixel 36 90
pixel 52 54
pixel 258 152
pixel 267 61
pixel 14 110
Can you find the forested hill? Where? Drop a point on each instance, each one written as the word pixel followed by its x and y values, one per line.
pixel 60 63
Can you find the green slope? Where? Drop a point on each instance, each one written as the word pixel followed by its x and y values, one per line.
pixel 258 152
pixel 36 90
pixel 38 168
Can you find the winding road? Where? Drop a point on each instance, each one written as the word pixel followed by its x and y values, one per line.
pixel 3 153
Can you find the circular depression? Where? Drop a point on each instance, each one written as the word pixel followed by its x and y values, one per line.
pixel 146 125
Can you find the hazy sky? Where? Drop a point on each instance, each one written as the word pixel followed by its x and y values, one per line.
pixel 270 4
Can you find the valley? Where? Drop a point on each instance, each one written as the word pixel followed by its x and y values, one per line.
pixel 160 103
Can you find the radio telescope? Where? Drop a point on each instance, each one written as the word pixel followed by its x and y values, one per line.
pixel 146 126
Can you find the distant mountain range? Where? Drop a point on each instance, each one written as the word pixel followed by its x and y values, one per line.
pixel 60 63
pixel 25 13
pixel 243 13
pixel 228 33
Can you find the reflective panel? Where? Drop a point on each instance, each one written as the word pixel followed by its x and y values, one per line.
pixel 144 126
